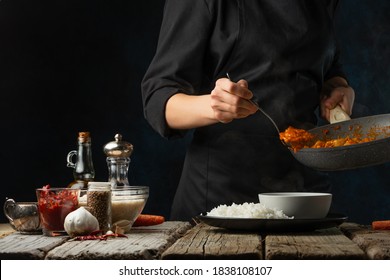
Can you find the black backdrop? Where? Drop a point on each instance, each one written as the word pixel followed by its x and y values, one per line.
pixel 69 66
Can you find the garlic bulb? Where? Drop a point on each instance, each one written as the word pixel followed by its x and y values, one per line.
pixel 80 222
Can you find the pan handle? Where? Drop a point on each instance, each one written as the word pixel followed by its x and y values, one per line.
pixel 338 115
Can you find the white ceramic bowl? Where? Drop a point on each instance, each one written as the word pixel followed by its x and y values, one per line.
pixel 301 205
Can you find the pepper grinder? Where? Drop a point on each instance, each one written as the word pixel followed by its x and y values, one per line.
pixel 118 159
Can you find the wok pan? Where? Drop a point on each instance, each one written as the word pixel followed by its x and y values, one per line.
pixel 353 156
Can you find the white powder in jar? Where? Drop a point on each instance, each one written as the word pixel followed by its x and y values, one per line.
pixel 247 210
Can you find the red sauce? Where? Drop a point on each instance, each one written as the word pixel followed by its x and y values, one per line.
pixel 295 137
pixel 55 206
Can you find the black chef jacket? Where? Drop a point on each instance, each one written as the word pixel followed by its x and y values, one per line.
pixel 285 49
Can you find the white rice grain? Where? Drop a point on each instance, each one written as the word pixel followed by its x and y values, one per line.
pixel 247 210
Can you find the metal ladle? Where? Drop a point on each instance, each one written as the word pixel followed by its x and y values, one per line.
pixel 262 111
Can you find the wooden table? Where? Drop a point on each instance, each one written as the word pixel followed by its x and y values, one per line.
pixel 180 240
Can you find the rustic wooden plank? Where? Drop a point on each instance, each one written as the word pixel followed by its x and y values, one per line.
pixel 27 247
pixel 376 243
pixel 320 244
pixel 5 229
pixel 142 243
pixel 206 242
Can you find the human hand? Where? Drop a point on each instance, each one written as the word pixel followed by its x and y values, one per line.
pixel 336 94
pixel 229 100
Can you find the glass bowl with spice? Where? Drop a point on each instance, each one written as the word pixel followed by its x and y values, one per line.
pixel 127 204
pixel 54 205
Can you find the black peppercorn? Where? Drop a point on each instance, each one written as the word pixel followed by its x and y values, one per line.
pixel 99 203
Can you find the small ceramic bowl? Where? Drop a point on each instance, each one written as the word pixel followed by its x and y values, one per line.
pixel 300 205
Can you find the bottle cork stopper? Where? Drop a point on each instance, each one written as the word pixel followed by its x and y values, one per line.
pixel 84 136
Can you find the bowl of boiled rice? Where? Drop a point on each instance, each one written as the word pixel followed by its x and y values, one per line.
pixel 300 205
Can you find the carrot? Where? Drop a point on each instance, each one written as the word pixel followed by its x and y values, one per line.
pixel 378 225
pixel 148 220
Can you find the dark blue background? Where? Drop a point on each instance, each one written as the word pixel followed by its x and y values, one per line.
pixel 69 66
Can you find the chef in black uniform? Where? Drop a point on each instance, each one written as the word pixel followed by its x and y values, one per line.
pixel 283 54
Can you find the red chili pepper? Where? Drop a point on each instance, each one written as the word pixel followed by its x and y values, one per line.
pixel 98 237
pixel 148 220
pixel 381 225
